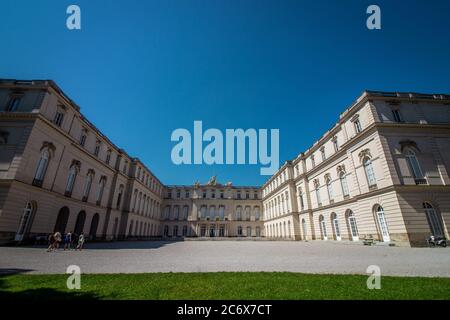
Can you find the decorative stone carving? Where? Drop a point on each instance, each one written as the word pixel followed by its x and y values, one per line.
pixel 340 168
pixel 408 143
pixel 364 153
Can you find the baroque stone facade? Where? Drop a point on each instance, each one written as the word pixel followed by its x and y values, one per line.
pixel 381 172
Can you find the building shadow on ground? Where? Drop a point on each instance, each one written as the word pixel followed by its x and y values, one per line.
pixel 7 293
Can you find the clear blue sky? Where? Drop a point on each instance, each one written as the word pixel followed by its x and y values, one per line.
pixel 140 69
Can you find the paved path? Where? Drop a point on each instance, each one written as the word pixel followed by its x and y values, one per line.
pixel 204 256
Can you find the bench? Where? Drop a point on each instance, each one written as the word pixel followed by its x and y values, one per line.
pixel 368 240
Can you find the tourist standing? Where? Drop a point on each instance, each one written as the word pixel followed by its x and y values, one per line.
pixel 67 240
pixel 58 239
pixel 80 241
pixel 51 242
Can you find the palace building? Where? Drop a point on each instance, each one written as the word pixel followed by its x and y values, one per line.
pixel 381 172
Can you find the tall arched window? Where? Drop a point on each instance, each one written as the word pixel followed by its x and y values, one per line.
pixel 135 199
pixel 25 221
pixel 289 229
pixel 166 231
pixel 119 196
pixel 329 188
pixel 335 225
pixel 115 226
pixel 61 220
pixel 257 214
pixel 176 213
pixel 101 188
pixel 434 220
pixel 185 212
pixel 79 224
pixel 239 213
pixel 323 228
pixel 379 211
pixel 247 213
pixel 87 185
pixel 222 212
pixel 368 168
pixel 414 165
pixel 41 168
pixel 300 197
pixel 212 212
pixel 344 186
pixel 94 226
pixel 167 212
pixel 351 220
pixel 138 205
pixel 317 190
pixel 203 210
pixel 71 180
pixel 130 229
pixel 304 229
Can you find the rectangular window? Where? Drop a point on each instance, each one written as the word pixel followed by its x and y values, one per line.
pixel 59 117
pixel 302 204
pixel 322 152
pixel 83 139
pixel 397 116
pixel 13 104
pixel 336 145
pixel 319 202
pixel 97 149
pixel 357 125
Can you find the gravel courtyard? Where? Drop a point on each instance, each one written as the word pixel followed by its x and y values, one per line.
pixel 211 256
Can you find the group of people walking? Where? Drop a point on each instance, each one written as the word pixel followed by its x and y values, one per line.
pixel 70 239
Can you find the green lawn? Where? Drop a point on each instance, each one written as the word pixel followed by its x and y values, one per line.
pixel 229 285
